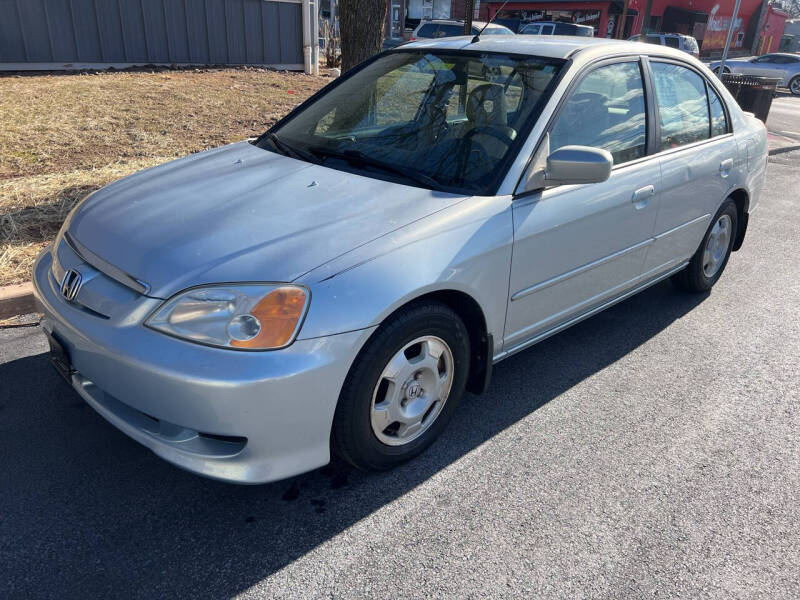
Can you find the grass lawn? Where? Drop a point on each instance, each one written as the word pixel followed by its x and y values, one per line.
pixel 63 136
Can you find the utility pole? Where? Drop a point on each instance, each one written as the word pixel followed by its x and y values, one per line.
pixel 728 39
pixel 469 9
pixel 646 17
pixel 621 23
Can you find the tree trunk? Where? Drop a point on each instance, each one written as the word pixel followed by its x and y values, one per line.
pixel 361 24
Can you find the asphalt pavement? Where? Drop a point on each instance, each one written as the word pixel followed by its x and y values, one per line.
pixel 651 451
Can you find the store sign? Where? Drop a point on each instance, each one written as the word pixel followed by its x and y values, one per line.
pixel 717 30
pixel 580 16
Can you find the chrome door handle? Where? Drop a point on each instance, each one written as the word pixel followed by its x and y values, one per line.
pixel 725 167
pixel 641 196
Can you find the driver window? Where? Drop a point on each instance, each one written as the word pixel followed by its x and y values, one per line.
pixel 606 110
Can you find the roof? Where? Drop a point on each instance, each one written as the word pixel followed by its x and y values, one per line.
pixel 478 24
pixel 682 35
pixel 550 46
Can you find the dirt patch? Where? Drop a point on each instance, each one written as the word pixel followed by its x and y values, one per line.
pixel 63 136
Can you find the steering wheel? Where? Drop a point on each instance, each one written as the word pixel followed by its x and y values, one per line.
pixel 477 151
pixel 505 135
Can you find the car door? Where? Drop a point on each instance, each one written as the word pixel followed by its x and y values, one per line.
pixel 577 246
pixel 763 66
pixel 697 153
pixel 780 67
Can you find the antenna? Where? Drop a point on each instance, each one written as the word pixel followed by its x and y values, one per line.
pixel 477 37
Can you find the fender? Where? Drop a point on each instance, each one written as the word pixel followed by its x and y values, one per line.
pixel 465 248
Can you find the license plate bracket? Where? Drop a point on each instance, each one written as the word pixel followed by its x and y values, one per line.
pixel 59 358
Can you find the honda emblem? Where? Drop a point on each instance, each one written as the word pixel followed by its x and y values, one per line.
pixel 71 284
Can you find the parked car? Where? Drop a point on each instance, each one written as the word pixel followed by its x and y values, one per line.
pixel 784 66
pixel 674 40
pixel 342 280
pixel 439 28
pixel 556 28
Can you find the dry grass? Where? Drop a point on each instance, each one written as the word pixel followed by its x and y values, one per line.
pixel 63 136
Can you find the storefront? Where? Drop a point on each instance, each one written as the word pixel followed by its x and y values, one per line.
pixel 603 16
pixel 426 9
pixel 708 21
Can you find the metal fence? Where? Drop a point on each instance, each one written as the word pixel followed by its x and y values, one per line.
pixel 39 34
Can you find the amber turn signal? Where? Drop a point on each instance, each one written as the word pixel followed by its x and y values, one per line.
pixel 278 313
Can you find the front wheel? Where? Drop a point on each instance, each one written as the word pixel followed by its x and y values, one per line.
pixel 707 264
pixel 402 388
pixel 794 85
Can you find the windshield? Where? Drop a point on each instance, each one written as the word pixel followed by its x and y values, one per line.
pixel 448 121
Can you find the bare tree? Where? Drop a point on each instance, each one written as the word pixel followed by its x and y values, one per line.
pixel 361 29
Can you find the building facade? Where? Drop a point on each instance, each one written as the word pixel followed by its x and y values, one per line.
pixel 66 34
pixel 705 20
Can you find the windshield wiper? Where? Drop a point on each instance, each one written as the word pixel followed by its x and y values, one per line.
pixel 356 157
pixel 289 150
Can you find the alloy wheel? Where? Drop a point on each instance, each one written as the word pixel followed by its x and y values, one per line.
pixel 717 246
pixel 412 390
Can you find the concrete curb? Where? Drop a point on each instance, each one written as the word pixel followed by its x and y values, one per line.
pixel 16 300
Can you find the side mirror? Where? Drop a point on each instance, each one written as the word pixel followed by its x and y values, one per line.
pixel 567 165
pixel 578 164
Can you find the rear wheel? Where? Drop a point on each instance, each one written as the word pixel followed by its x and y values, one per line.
pixel 794 85
pixel 708 263
pixel 403 388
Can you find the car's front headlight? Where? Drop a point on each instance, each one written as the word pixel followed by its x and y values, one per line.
pixel 239 316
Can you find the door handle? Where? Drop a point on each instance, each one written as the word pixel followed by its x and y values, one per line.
pixel 642 195
pixel 725 167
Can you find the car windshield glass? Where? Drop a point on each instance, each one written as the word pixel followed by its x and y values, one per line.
pixel 442 120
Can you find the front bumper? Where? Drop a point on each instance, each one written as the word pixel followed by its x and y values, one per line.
pixel 246 417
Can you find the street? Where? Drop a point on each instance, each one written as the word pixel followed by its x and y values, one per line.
pixel 650 451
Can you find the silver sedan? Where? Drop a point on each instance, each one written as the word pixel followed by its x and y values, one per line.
pixel 784 66
pixel 340 282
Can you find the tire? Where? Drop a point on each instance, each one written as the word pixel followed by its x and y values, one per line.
pixel 794 85
pixel 704 269
pixel 384 383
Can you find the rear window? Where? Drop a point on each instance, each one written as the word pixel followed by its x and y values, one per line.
pixel 497 31
pixel 653 39
pixel 672 42
pixel 450 30
pixel 427 31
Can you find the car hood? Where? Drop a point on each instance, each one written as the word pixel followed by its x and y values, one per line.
pixel 240 213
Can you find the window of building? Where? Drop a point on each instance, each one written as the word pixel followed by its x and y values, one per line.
pixel 606 110
pixel 682 105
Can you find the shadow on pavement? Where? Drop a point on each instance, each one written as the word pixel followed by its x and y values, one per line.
pixel 85 511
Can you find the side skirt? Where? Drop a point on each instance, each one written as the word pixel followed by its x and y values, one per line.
pixel 558 328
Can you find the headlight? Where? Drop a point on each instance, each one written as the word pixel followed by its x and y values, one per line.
pixel 241 316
